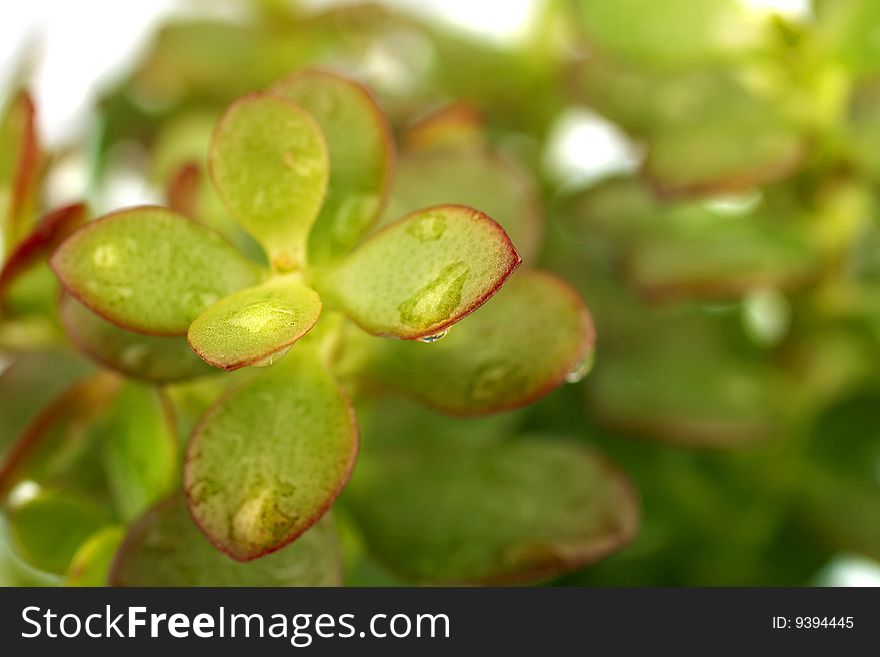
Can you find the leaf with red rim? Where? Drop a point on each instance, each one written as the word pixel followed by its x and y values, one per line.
pixel 361 156
pixel 477 178
pixel 150 270
pixel 457 126
pixel 249 326
pixel 292 438
pixel 19 168
pixel 52 229
pixel 140 449
pixel 269 162
pixel 164 548
pixel 522 344
pixel 521 510
pixel 157 359
pixel 425 272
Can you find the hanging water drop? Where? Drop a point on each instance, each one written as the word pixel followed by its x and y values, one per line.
pixel 428 339
pixel 581 368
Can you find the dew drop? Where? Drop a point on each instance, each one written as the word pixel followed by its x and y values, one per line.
pixel 492 381
pixel 437 300
pixel 428 227
pixel 581 368
pixel 271 358
pixel 428 339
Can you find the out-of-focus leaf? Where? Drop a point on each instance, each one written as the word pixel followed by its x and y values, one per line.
pixel 19 168
pixel 422 274
pixel 150 270
pixel 522 344
pixel 251 325
pixel 675 33
pixel 91 563
pixel 46 530
pixel 164 548
pixel 269 162
pixel 58 448
pixel 48 234
pixel 140 449
pixel 847 31
pixel 293 439
pixel 682 392
pixel 522 510
pixel 476 178
pixel 29 383
pixel 693 249
pixel 453 126
pixel 151 358
pixel 361 156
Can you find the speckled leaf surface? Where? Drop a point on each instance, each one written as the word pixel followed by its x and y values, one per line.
pixel 477 178
pixel 293 439
pixel 269 162
pixel 140 449
pixel 164 548
pixel 515 511
pixel 247 327
pixel 523 343
pixel 361 156
pixel 158 359
pixel 420 275
pixel 149 269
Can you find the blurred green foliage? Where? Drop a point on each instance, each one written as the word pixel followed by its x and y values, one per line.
pixel 732 274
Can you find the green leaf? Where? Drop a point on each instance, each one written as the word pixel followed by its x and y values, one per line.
pixel 516 511
pixel 164 548
pixel 251 325
pixel 292 438
pixel 140 449
pixel 91 563
pixel 425 272
pixel 269 162
pixel 524 342
pixel 454 126
pixel 675 33
pixel 361 156
pixel 29 383
pixel 19 168
pixel 477 178
pixel 150 270
pixel 58 448
pixel 46 530
pixel 52 229
pixel 151 358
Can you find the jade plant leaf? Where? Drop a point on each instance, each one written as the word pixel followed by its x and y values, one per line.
pixel 51 230
pixel 361 156
pixel 418 276
pixel 164 548
pixel 677 33
pixel 140 449
pixel 47 529
pixel 19 168
pixel 527 340
pixel 477 178
pixel 30 383
pixel 91 563
pixel 150 270
pixel 269 162
pixel 454 126
pixel 157 359
pixel 251 325
pixel 293 439
pixel 521 510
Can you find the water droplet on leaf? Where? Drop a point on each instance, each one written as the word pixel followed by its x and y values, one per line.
pixel 581 368
pixel 428 339
pixel 428 227
pixel 438 300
